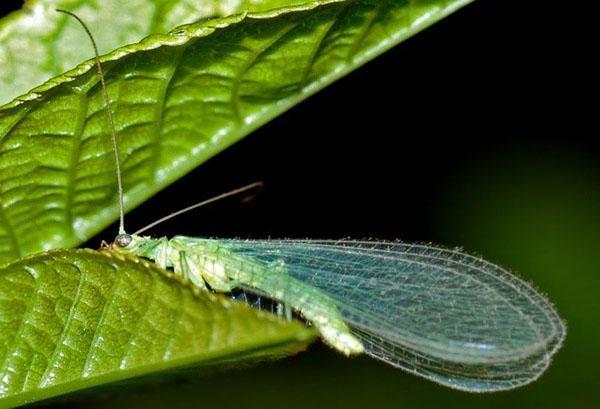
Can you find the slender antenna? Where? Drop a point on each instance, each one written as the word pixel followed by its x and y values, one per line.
pixel 255 185
pixel 111 121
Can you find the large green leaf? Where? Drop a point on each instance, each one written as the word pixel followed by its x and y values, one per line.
pixel 47 44
pixel 73 319
pixel 178 99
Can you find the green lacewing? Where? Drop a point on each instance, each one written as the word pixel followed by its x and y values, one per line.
pixel 438 313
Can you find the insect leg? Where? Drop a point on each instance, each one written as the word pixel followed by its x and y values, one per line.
pixel 189 270
pixel 214 273
pixel 162 254
pixel 279 267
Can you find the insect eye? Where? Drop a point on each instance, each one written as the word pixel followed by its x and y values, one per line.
pixel 123 240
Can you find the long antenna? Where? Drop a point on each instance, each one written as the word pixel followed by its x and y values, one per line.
pixel 255 185
pixel 111 121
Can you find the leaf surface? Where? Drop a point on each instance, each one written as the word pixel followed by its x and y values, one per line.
pixel 53 42
pixel 73 319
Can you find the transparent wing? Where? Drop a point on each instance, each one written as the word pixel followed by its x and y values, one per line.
pixel 439 313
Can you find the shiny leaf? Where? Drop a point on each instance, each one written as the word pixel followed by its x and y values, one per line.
pixel 73 319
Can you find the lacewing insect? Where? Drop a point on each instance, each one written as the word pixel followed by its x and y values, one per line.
pixel 442 314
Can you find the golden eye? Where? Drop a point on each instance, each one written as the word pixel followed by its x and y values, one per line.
pixel 123 240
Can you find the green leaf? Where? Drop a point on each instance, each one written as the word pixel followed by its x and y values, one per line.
pixel 54 45
pixel 74 319
pixel 178 99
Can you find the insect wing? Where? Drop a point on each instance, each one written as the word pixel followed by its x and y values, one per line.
pixel 439 313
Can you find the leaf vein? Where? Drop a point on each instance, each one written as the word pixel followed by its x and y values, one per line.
pixel 356 47
pixel 157 137
pixel 45 379
pixel 134 332
pixel 75 157
pixel 238 79
pixel 319 46
pixel 85 372
pixel 10 232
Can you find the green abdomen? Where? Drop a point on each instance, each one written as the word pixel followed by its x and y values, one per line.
pixel 224 270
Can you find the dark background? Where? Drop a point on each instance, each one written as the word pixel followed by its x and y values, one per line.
pixel 477 133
